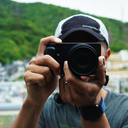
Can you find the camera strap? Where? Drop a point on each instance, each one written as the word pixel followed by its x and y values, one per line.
pixel 107 79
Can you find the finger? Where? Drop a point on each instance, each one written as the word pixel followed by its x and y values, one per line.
pixel 85 78
pixel 69 77
pixel 43 70
pixel 100 71
pixel 44 42
pixel 33 78
pixel 67 72
pixel 64 91
pixel 47 60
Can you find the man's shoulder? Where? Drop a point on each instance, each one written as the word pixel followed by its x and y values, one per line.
pixel 116 95
pixel 116 108
pixel 114 99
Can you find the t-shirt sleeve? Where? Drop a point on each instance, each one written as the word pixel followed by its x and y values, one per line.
pixel 125 125
pixel 125 122
pixel 117 109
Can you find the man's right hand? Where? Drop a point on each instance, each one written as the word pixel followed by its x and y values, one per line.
pixel 42 73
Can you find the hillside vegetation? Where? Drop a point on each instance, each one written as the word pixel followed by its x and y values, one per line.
pixel 22 26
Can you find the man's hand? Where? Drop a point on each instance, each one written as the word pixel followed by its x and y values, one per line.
pixel 42 73
pixel 84 91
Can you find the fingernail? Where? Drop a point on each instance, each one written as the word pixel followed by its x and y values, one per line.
pixel 58 40
pixel 65 62
pixel 83 77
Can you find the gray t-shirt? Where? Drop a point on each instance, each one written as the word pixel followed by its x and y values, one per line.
pixel 64 115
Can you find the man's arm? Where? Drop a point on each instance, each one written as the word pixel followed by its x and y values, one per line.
pixel 41 79
pixel 28 116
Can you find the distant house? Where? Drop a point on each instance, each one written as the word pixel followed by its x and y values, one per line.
pixel 14 70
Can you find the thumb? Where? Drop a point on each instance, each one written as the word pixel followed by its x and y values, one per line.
pixel 100 71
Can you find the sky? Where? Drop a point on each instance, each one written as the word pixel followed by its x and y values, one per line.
pixel 115 9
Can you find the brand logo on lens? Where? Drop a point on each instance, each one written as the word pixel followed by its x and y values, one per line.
pixel 82 57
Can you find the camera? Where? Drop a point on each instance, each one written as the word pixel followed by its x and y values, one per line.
pixel 82 57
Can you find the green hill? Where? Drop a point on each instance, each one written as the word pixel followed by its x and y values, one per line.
pixel 22 26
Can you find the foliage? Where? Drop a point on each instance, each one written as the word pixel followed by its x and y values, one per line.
pixel 5 121
pixel 23 25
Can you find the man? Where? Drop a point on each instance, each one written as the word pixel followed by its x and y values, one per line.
pixel 81 100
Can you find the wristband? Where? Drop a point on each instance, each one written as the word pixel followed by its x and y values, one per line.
pixel 92 112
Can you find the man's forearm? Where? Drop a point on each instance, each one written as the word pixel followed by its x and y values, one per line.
pixel 28 116
pixel 102 122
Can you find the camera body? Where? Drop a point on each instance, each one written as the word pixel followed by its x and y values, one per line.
pixel 82 57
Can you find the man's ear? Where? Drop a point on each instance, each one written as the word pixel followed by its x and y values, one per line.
pixel 108 53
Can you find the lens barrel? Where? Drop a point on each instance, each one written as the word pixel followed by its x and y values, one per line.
pixel 82 60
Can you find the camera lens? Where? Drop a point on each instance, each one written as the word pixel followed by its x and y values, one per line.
pixel 82 60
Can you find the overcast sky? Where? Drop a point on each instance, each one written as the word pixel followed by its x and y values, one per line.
pixel 116 9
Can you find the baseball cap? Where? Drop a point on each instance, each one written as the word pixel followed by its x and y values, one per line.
pixel 85 23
